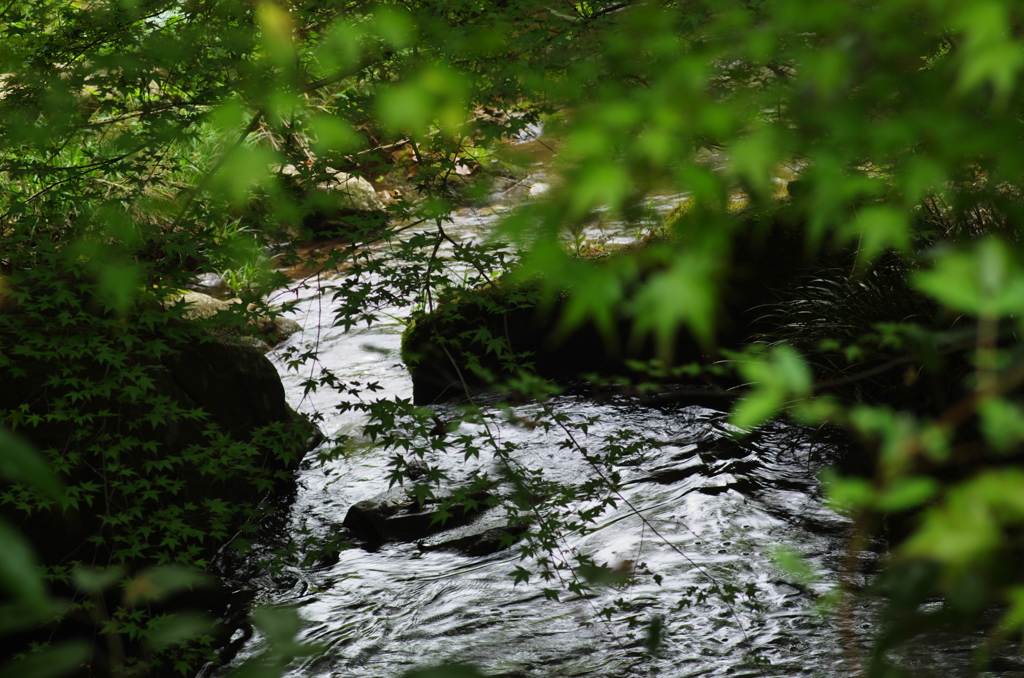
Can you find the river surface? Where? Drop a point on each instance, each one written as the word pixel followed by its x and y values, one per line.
pixel 700 510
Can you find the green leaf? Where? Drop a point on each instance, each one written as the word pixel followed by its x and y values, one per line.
pixel 433 94
pixel 405 107
pixel 599 183
pixel 119 284
pixel 907 493
pixel 20 572
pixel 1002 422
pixel 754 157
pixel 967 528
pixel 96 580
pixel 596 297
pixel 988 56
pixel 339 49
pixel 394 25
pixel 794 565
pixel 791 371
pixel 331 134
pixel 921 176
pixel 683 295
pixel 58 660
pixel 244 168
pixel 178 628
pixel 876 228
pixel 281 625
pixel 159 583
pixel 986 280
pixel 828 74
pixel 956 536
pixel 1013 619
pixel 776 379
pixel 847 493
pixel 756 408
pixel 277 31
pixel 21 464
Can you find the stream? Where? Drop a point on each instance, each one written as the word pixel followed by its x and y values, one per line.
pixel 700 510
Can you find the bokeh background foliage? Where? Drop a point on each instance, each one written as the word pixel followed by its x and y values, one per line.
pixel 141 143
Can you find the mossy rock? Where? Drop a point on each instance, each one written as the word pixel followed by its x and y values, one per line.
pixel 484 335
pixel 115 408
pixel 236 387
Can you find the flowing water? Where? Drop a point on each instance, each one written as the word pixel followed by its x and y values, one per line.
pixel 713 509
pixel 700 510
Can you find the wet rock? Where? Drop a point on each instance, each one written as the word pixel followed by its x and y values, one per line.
pixel 200 306
pixel 234 383
pixel 354 193
pixel 539 188
pixel 211 283
pixel 476 530
pixel 350 192
pixel 338 202
pixel 490 533
pixel 670 476
pixel 489 325
pixel 483 544
pixel 395 516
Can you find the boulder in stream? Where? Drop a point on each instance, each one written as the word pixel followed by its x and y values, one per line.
pixel 396 516
pixel 489 533
pixel 487 333
pixel 201 306
pixel 336 200
pixel 185 410
pixel 504 325
pixel 351 193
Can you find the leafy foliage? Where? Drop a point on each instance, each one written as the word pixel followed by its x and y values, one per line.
pixel 144 141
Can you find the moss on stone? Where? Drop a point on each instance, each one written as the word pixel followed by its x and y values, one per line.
pixel 487 333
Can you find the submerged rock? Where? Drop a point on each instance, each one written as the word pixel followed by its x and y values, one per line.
pixel 395 516
pixel 483 544
pixel 489 533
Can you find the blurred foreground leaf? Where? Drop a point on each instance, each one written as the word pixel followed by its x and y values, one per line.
pixel 51 662
pixel 20 572
pixel 20 463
